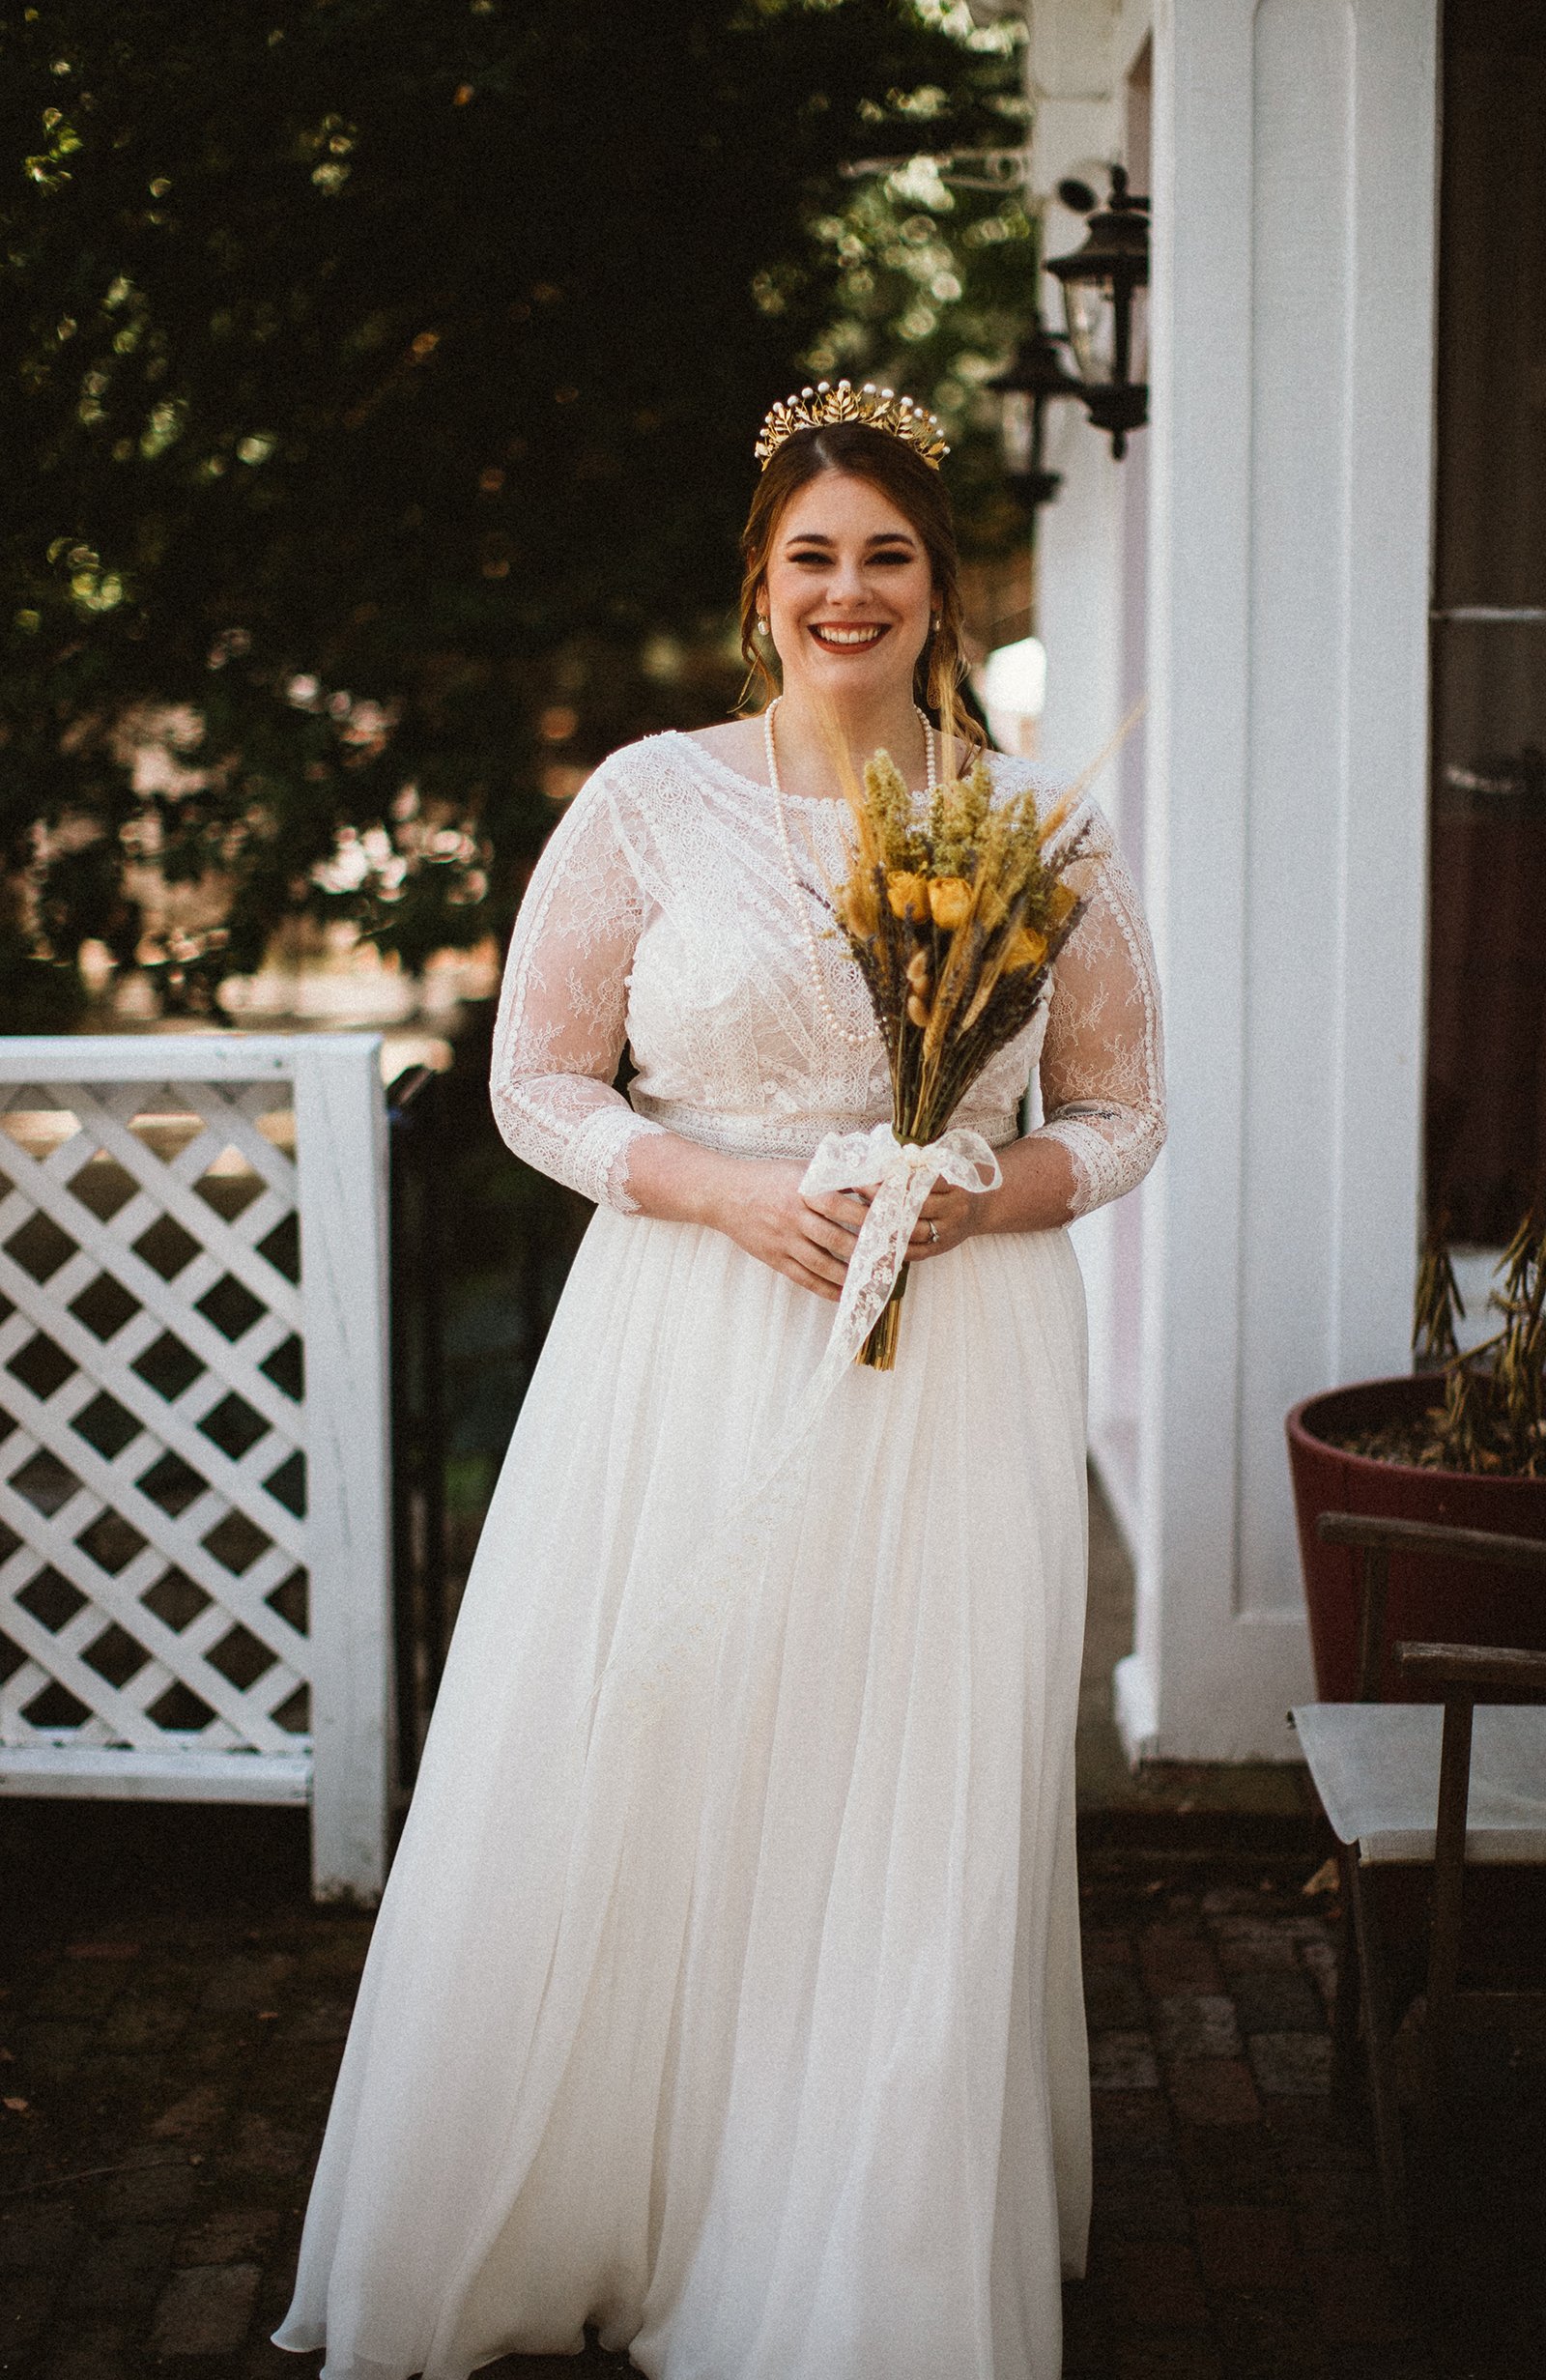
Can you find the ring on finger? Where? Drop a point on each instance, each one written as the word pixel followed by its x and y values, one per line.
pixel 933 1233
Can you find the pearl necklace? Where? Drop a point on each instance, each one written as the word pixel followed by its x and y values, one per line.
pixel 845 1033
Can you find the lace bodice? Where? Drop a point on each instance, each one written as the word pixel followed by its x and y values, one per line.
pixel 661 916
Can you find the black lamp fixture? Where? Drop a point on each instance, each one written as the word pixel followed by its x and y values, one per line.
pixel 1105 297
pixel 1025 387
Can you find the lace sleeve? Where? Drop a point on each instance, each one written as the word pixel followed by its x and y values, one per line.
pixel 561 1022
pixel 1102 1063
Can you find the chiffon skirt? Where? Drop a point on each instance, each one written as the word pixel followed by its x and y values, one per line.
pixel 745 2021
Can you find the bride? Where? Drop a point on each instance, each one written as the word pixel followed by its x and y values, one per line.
pixel 725 1992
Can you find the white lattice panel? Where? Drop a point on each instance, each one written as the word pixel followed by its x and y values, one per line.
pixel 191 1353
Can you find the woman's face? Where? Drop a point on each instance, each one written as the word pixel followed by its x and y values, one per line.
pixel 847 592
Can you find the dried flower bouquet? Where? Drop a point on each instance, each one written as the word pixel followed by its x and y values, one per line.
pixel 954 922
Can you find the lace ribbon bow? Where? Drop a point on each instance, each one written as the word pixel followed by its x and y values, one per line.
pixel 902 1173
pixel 684 1616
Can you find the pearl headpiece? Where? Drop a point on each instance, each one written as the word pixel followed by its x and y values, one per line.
pixel 877 408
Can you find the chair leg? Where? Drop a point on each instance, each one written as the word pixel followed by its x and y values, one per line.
pixel 1448 1895
pixel 1345 2008
pixel 1377 2031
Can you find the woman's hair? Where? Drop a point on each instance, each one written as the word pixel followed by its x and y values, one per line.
pixel 917 491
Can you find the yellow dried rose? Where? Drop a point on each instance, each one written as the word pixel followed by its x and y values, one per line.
pixel 949 901
pixel 1027 948
pixel 908 896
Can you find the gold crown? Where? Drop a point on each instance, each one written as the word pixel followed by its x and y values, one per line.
pixel 877 408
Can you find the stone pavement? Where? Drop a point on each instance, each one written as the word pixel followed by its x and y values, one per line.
pixel 172 2011
pixel 1234 2234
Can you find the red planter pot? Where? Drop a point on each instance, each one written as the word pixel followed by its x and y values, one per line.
pixel 1459 1604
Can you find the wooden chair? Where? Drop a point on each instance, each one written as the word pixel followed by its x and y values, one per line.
pixel 1426 1790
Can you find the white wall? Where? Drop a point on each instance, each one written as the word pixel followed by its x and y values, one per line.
pixel 1089 616
pixel 1283 784
pixel 1290 511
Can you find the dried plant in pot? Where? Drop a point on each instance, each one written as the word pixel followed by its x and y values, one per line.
pixel 1460 1440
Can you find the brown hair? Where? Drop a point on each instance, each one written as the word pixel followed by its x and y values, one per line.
pixel 918 492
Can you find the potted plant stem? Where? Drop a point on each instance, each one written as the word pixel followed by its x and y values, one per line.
pixel 1462 1440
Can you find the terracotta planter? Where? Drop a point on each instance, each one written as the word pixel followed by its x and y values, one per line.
pixel 1458 1605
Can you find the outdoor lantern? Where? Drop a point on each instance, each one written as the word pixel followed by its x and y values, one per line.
pixel 1105 297
pixel 1025 387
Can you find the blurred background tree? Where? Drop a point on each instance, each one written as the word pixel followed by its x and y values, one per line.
pixel 382 376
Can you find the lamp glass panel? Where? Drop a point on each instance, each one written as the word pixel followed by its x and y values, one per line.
pixel 1017 428
pixel 1091 329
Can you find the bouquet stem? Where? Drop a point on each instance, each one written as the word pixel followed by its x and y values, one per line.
pixel 879 1350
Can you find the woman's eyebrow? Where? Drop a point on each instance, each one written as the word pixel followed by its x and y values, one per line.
pixel 883 536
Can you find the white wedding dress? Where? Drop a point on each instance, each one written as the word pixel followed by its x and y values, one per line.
pixel 738 2009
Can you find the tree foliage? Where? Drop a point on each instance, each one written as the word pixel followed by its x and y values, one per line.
pixel 381 378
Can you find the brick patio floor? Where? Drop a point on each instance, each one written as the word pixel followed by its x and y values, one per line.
pixel 172 2011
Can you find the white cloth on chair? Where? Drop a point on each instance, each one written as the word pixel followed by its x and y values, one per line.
pixel 1376 1768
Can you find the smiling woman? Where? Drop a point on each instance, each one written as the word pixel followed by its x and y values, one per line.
pixel 847 572
pixel 725 1992
pixel 849 545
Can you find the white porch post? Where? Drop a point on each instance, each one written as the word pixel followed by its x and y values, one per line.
pixel 1286 812
pixel 1090 604
pixel 341 1128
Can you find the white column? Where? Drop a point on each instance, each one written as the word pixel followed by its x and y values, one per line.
pixel 341 1146
pixel 1074 65
pixel 1090 607
pixel 1286 828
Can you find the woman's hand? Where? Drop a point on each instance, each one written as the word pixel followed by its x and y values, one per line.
pixel 954 1215
pixel 762 1209
pixel 758 1203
